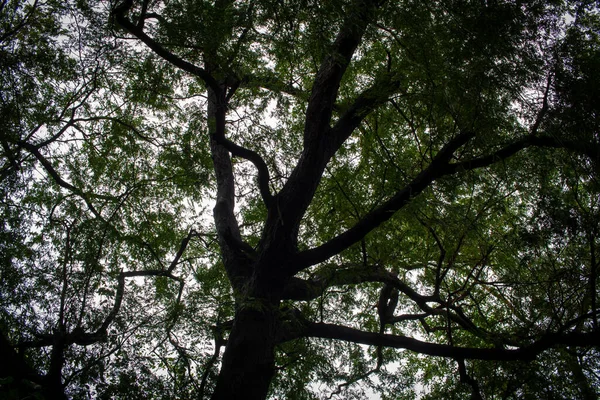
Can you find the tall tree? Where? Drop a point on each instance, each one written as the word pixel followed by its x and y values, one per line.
pixel 405 199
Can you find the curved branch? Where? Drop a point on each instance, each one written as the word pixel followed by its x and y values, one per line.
pixel 525 353
pixel 299 289
pixel 236 253
pixel 257 160
pixel 305 290
pixel 119 14
pixel 376 95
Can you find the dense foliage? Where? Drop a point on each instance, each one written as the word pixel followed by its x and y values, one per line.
pixel 299 199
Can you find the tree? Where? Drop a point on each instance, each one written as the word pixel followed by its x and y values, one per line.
pixel 405 199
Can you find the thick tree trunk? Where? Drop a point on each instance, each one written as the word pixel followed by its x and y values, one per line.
pixel 249 359
pixel 53 386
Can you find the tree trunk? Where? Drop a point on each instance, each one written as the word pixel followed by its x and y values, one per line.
pixel 53 386
pixel 249 359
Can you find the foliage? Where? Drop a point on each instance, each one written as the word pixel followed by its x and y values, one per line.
pixel 404 196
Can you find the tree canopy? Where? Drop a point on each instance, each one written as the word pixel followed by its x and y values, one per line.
pixel 299 199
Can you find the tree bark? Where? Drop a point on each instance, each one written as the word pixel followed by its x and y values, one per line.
pixel 248 363
pixel 249 359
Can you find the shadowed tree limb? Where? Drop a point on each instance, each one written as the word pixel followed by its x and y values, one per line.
pixel 219 342
pixel 272 83
pixel 259 163
pixel 591 150
pixel 120 16
pixel 525 353
pixel 137 30
pixel 439 167
pixel 436 169
pixel 306 290
pixel 318 144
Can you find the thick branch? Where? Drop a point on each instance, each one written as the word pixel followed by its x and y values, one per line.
pixel 435 170
pixel 293 200
pixel 438 168
pixel 331 71
pixel 306 290
pixel 259 163
pixel 525 353
pixel 379 93
pixel 234 251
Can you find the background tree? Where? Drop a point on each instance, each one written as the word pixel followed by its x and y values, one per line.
pixel 404 194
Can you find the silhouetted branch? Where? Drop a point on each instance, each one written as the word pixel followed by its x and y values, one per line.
pixel 259 163
pixel 525 353
pixel 120 14
pixel 436 169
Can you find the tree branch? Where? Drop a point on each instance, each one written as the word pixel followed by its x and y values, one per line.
pixel 120 16
pixel 259 163
pixel 379 93
pixel 234 250
pixel 305 290
pixel 298 289
pixel 436 169
pixel 525 353
pixel 57 178
pixel 467 379
pixel 21 24
pixel 271 82
pixel 327 82
pixel 182 247
pixel 293 200
pixel 591 150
